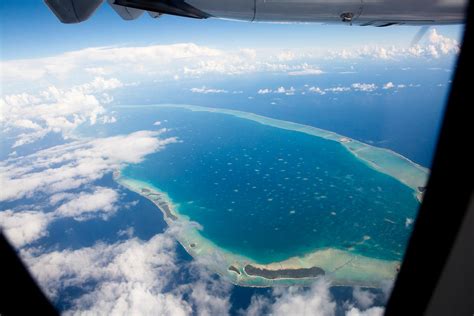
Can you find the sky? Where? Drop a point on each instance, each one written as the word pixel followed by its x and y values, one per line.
pixel 28 25
pixel 56 79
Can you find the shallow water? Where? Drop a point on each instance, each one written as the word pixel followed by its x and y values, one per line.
pixel 269 194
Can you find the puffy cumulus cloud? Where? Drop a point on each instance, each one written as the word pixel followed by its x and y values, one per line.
pixel 205 90
pixel 112 265
pixel 316 90
pixel 366 87
pixel 279 90
pixel 286 91
pixel 57 170
pixel 337 89
pixel 56 110
pixel 259 305
pixel 388 85
pixel 71 165
pixel 358 86
pixel 24 227
pixel 435 46
pixel 207 292
pixel 295 300
pixel 264 91
pixel 363 87
pixel 373 311
pixel 441 45
pixel 315 300
pixel 100 84
pixel 364 298
pixel 102 200
pixel 131 277
pixel 368 52
pixel 300 302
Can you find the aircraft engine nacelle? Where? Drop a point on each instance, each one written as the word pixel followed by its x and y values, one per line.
pixel 73 11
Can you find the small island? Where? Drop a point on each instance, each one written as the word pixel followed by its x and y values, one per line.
pixel 234 269
pixel 300 273
pixel 158 200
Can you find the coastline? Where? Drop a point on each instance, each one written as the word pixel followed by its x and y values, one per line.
pixel 341 267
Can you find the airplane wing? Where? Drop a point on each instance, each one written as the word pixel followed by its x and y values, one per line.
pixel 378 13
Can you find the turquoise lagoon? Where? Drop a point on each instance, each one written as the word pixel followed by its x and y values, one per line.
pixel 240 188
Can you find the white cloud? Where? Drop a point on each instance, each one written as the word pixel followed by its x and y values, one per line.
pixel 131 277
pixel 129 232
pixel 100 84
pixel 287 55
pixel 209 295
pixel 249 53
pixel 296 300
pixel 57 110
pixel 96 71
pixel 264 91
pixel 59 169
pixel 25 226
pixel 315 300
pixel 388 85
pixel 373 311
pixel 306 72
pixel 259 305
pixel 317 90
pixel 364 298
pixel 102 200
pixel 366 87
pixel 286 91
pixel 441 45
pixel 27 124
pixel 69 166
pixel 128 275
pixel 184 60
pixel 205 90
pixel 337 89
pixel 435 46
pixel 145 60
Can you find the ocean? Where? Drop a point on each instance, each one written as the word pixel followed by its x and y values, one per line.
pixel 270 194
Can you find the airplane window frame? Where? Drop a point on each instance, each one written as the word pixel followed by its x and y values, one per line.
pixel 445 205
pixel 446 201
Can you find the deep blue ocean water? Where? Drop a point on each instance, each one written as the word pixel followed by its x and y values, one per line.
pixel 405 120
pixel 271 194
